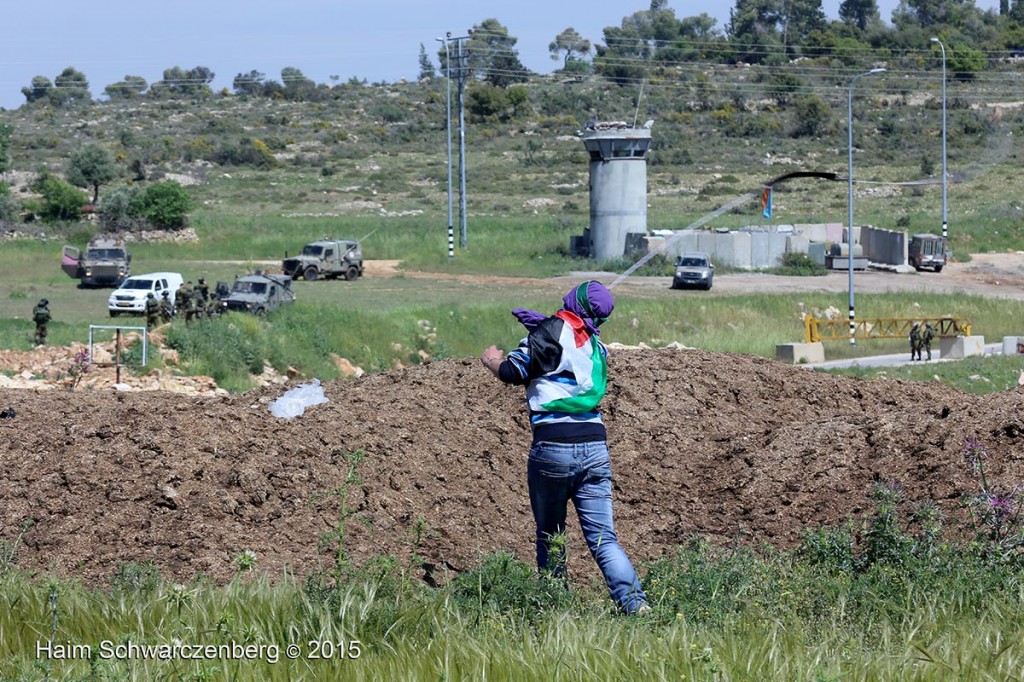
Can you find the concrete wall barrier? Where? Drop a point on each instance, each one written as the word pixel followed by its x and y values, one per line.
pixel 960 347
pixel 884 246
pixel 1013 345
pixel 800 353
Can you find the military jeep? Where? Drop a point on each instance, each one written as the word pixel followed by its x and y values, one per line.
pixel 327 259
pixel 256 294
pixel 105 263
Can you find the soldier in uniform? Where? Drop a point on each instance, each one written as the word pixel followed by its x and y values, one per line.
pixel 166 307
pixel 181 299
pixel 189 301
pixel 915 341
pixel 152 310
pixel 41 316
pixel 926 341
pixel 202 296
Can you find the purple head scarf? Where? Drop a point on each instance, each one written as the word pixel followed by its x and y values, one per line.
pixel 590 301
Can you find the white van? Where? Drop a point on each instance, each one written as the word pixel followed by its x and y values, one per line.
pixel 130 297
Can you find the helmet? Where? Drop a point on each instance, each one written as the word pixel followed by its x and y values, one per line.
pixel 43 301
pixel 150 295
pixel 928 325
pixel 165 293
pixel 916 325
pixel 202 280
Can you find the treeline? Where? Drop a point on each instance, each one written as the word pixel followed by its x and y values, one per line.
pixel 652 44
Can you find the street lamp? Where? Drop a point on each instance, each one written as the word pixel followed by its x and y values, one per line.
pixel 448 129
pixel 849 173
pixel 945 222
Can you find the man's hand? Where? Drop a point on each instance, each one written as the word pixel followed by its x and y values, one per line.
pixel 491 358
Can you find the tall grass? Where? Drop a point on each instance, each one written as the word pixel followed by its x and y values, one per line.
pixel 742 617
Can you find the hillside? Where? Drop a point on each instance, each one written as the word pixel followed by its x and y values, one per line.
pixel 381 151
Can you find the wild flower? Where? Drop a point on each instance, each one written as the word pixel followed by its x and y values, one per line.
pixel 995 512
pixel 80 366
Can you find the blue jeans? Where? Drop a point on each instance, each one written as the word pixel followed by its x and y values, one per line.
pixel 581 472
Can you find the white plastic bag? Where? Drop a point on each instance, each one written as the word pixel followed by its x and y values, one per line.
pixel 294 402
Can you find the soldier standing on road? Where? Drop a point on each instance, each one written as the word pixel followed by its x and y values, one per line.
pixel 915 341
pixel 152 310
pixel 926 340
pixel 41 316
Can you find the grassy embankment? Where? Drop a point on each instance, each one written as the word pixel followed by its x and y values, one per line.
pixel 867 601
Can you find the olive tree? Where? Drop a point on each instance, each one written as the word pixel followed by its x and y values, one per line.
pixel 91 166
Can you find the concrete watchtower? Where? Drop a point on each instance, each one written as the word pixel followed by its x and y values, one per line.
pixel 618 185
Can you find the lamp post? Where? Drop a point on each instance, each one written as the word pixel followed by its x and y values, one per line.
pixel 945 222
pixel 448 130
pixel 849 173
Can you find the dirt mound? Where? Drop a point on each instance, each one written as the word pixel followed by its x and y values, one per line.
pixel 732 448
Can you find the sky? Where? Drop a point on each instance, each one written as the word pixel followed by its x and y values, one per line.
pixel 376 40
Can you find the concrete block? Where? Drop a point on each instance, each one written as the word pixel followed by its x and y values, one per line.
pixel 1013 345
pixel 800 353
pixel 741 249
pixel 960 347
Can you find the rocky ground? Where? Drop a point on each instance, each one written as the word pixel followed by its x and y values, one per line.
pixel 731 448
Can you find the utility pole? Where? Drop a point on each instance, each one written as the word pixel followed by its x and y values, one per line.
pixel 448 131
pixel 463 239
pixel 460 74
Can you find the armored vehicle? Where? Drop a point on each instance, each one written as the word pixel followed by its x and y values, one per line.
pixel 105 263
pixel 257 294
pixel 693 269
pixel 927 251
pixel 329 259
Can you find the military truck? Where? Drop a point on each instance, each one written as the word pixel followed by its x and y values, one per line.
pixel 257 294
pixel 327 259
pixel 927 251
pixel 105 263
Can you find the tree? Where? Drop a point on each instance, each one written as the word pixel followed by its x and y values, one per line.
pixel 178 81
pixel 754 28
pixel 129 88
pixel 490 54
pixel 40 88
pixel 91 166
pixel 426 66
pixel 249 83
pixel 799 19
pixel 572 43
pixel 69 87
pixel 296 86
pixel 859 13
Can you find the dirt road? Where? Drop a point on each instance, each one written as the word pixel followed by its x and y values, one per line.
pixel 999 275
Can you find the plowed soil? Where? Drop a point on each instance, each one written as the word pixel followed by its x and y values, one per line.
pixel 735 449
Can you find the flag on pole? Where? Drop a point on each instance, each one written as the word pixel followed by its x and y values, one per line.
pixel 766 202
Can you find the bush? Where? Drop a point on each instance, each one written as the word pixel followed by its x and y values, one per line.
pixel 60 201
pixel 115 208
pixel 164 204
pixel 8 205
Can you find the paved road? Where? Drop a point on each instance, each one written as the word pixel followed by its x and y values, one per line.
pixel 894 360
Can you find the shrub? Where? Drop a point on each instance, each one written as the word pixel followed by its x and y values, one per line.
pixel 164 204
pixel 8 205
pixel 60 201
